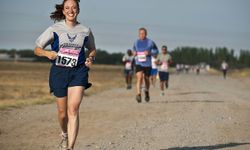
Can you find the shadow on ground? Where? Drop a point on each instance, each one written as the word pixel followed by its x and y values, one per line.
pixel 209 147
pixel 193 92
pixel 189 101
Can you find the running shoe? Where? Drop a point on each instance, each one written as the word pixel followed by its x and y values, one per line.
pixel 138 98
pixel 63 145
pixel 147 98
pixel 166 85
pixel 129 87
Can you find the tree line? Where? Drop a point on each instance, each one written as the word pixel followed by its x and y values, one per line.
pixel 180 55
pixel 213 57
pixel 103 57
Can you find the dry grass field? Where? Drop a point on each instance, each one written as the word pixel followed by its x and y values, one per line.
pixel 235 73
pixel 26 83
pixel 241 73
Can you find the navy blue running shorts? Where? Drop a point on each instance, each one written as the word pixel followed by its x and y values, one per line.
pixel 61 78
pixel 164 76
pixel 128 72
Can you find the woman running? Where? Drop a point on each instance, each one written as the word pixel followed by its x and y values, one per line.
pixel 69 71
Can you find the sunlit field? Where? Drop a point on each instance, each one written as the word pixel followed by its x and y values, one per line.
pixel 241 73
pixel 26 83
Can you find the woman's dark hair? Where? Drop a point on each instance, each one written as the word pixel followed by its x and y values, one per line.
pixel 58 15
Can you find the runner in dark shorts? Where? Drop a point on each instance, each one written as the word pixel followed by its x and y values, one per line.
pixel 164 59
pixel 224 68
pixel 128 60
pixel 142 51
pixel 69 71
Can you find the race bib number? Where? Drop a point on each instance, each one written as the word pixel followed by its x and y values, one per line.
pixel 141 57
pixel 164 66
pixel 128 65
pixel 67 57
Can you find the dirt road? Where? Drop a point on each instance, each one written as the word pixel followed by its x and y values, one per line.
pixel 198 112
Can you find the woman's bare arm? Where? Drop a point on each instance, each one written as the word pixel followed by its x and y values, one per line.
pixel 44 53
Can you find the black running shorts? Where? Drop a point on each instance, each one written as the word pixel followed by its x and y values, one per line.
pixel 145 70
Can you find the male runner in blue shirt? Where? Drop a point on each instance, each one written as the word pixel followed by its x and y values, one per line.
pixel 142 50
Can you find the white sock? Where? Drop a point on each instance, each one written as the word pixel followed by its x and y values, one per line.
pixel 64 134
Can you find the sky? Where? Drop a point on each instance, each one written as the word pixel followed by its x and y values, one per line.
pixel 115 23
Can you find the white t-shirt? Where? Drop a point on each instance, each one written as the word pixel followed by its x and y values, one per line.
pixel 164 59
pixel 224 66
pixel 154 65
pixel 128 61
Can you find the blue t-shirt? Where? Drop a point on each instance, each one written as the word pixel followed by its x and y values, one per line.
pixel 141 46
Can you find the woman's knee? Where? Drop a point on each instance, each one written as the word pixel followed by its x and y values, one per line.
pixel 73 111
pixel 62 113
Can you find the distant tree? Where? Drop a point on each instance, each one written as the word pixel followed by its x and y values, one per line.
pixel 244 58
pixel 193 55
pixel 104 57
pixel 26 53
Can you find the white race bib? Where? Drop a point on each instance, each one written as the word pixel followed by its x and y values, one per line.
pixel 128 65
pixel 67 57
pixel 164 66
pixel 141 57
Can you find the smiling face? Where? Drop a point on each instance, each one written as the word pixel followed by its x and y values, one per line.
pixel 70 10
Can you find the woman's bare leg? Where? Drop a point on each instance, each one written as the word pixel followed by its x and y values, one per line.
pixel 62 113
pixel 75 95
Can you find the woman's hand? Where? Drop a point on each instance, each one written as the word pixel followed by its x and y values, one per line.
pixel 51 55
pixel 89 62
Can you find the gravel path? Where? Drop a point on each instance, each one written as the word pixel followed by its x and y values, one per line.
pixel 198 112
